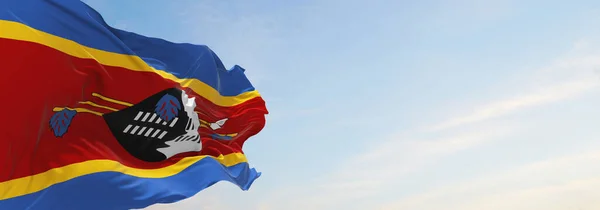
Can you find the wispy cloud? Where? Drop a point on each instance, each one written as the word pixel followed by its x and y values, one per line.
pixel 540 185
pixel 545 95
pixel 380 170
pixel 565 78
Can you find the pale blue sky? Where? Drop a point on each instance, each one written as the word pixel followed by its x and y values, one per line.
pixel 420 105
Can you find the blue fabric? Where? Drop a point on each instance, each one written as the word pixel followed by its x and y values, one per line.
pixel 76 21
pixel 116 191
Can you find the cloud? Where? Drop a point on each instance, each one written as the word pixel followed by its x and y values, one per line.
pixel 377 174
pixel 378 171
pixel 565 79
pixel 540 97
pixel 565 182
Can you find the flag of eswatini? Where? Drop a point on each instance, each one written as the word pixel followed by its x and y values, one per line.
pixel 100 118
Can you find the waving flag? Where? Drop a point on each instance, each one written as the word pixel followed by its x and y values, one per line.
pixel 99 118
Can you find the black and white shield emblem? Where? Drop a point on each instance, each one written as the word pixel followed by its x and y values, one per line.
pixel 159 127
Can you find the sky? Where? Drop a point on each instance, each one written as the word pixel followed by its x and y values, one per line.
pixel 394 105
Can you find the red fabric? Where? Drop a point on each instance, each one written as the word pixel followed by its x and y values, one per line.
pixel 51 79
